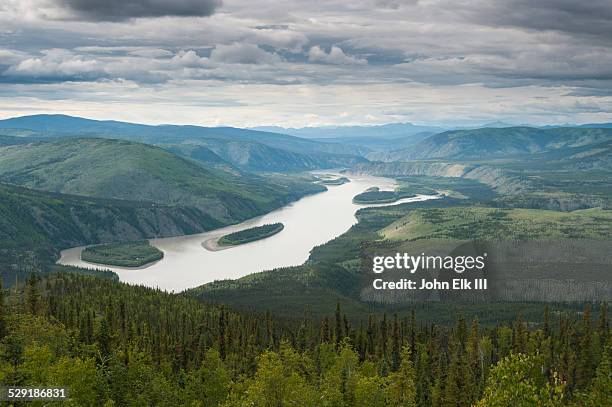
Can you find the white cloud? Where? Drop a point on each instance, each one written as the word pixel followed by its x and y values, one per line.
pixel 335 57
pixel 276 61
pixel 189 59
pixel 242 54
pixel 58 63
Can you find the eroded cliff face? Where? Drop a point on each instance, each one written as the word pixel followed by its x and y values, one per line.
pixel 435 169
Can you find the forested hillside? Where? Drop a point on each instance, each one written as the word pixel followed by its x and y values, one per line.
pixel 34 225
pixel 112 343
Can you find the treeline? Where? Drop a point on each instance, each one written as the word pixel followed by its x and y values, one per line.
pixel 114 344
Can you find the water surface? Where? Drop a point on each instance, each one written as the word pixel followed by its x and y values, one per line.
pixel 309 222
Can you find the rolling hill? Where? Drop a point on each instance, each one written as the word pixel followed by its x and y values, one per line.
pixel 261 148
pixel 496 143
pixel 120 169
pixel 252 156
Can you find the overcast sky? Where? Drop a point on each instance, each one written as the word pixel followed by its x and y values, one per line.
pixel 301 63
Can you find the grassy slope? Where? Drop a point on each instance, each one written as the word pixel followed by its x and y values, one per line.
pixel 486 223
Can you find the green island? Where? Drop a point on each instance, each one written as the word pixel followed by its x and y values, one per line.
pixel 375 195
pixel 334 181
pixel 251 234
pixel 127 254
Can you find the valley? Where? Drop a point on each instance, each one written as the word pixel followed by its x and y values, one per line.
pixel 184 187
pixel 93 213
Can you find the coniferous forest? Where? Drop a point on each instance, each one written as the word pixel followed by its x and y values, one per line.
pixel 262 203
pixel 115 344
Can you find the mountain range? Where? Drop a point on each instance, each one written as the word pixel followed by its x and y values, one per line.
pixel 243 148
pixel 491 143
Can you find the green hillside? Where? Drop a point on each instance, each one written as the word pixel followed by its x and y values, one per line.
pixel 118 169
pixel 35 225
pixel 497 142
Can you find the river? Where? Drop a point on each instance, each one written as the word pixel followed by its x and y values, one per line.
pixel 309 222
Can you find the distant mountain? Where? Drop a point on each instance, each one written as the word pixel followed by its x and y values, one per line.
pixel 597 156
pixel 496 125
pixel 496 143
pixel 308 154
pixel 253 156
pixel 597 126
pixel 377 144
pixel 386 131
pixel 119 169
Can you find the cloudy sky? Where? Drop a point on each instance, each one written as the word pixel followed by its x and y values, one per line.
pixel 304 63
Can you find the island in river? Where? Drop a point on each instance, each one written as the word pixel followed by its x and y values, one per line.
pixel 193 260
pixel 251 234
pixel 375 196
pixel 334 180
pixel 126 254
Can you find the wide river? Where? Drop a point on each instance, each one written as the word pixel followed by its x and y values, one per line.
pixel 309 222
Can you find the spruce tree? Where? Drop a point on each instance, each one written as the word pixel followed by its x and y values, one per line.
pixel 3 329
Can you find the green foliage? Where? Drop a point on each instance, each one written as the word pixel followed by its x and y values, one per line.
pixel 402 388
pixel 518 381
pixel 210 384
pixel 116 344
pixel 251 234
pixel 275 384
pixel 128 254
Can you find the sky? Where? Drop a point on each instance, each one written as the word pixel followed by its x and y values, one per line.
pixel 297 63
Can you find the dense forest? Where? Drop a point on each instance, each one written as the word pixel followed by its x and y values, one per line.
pixel 115 344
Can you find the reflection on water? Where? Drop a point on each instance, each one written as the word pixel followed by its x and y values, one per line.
pixel 309 222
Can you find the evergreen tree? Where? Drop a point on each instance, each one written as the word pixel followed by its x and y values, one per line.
pixel 395 347
pixel 600 391
pixel 585 363
pixel 32 294
pixel 338 335
pixel 3 328
pixel 402 387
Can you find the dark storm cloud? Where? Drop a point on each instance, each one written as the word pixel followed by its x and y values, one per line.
pixel 593 17
pixel 119 10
